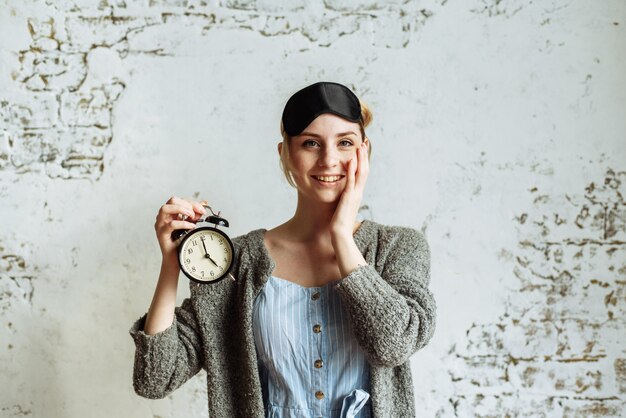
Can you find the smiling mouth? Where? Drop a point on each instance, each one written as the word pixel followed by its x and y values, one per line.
pixel 328 179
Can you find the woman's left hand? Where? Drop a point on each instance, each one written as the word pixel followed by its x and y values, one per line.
pixel 347 209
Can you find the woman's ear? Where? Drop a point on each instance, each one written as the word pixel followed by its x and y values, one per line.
pixel 280 148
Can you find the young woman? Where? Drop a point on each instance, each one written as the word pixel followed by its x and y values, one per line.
pixel 326 310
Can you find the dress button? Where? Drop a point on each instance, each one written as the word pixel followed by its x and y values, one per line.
pixel 317 328
pixel 319 394
pixel 319 363
pixel 315 296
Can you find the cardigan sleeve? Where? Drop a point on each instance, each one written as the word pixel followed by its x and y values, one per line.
pixel 393 312
pixel 166 360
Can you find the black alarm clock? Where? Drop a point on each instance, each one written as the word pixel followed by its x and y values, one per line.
pixel 206 254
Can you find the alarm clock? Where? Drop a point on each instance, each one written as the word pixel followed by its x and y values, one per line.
pixel 206 254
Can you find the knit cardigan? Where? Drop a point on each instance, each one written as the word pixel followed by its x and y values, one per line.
pixel 390 307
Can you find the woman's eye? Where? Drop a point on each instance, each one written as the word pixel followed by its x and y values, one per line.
pixel 309 142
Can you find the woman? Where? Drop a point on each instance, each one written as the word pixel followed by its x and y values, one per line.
pixel 325 311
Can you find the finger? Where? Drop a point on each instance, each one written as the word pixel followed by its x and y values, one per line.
pixel 346 167
pixel 198 208
pixel 363 166
pixel 175 200
pixel 166 227
pixel 175 210
pixel 181 225
pixel 351 172
pixel 169 228
pixel 365 157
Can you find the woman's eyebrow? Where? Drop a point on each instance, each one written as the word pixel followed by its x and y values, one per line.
pixel 319 136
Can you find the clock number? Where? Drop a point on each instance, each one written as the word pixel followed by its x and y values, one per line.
pixel 211 237
pixel 212 273
pixel 193 268
pixel 225 260
pixel 202 273
pixel 194 242
pixel 189 250
pixel 225 250
pixel 187 261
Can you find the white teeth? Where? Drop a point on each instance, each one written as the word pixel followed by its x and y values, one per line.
pixel 329 179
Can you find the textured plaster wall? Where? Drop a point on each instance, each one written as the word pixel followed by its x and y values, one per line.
pixel 499 130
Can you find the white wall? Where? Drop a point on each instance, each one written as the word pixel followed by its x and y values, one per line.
pixel 499 129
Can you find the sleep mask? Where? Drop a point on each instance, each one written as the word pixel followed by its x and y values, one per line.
pixel 321 97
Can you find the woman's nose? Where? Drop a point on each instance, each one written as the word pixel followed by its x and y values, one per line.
pixel 329 157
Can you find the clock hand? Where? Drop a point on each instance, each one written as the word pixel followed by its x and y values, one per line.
pixel 206 253
pixel 209 257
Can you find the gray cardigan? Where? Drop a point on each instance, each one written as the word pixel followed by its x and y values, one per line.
pixel 391 309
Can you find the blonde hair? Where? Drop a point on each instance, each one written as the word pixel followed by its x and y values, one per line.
pixel 366 116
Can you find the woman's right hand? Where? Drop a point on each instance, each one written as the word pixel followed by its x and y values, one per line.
pixel 172 216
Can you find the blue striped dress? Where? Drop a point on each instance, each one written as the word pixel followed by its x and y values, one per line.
pixel 310 363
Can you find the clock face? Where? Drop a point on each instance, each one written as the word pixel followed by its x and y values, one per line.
pixel 206 255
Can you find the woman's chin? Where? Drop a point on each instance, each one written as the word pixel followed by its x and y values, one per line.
pixel 329 197
pixel 324 196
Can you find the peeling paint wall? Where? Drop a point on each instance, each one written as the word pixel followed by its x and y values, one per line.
pixel 498 130
pixel 558 346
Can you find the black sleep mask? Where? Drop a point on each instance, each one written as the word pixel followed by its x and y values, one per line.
pixel 321 97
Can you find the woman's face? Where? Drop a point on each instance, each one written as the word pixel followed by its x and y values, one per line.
pixel 323 149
